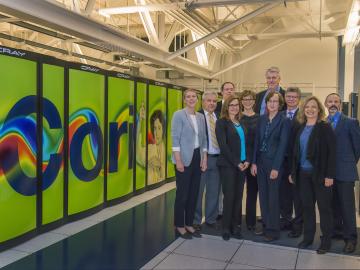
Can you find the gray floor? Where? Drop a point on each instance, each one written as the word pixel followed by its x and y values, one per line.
pixel 211 252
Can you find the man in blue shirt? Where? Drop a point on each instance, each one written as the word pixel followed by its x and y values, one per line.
pixel 347 133
pixel 272 80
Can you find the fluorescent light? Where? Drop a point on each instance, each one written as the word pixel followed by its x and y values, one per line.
pixel 148 23
pixel 141 8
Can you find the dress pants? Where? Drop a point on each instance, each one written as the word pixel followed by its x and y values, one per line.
pixel 187 190
pixel 251 198
pixel 269 197
pixel 312 191
pixel 232 180
pixel 290 200
pixel 344 210
pixel 210 181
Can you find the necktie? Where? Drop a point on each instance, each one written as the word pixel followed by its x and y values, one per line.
pixel 290 115
pixel 212 131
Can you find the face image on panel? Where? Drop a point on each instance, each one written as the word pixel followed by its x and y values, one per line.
pixel 156 148
pixel 156 154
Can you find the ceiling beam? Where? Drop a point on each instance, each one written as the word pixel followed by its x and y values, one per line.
pixel 241 62
pixel 226 28
pixel 286 35
pixel 206 3
pixel 65 21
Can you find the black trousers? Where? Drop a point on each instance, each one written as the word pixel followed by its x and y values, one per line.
pixel 269 197
pixel 344 210
pixel 232 180
pixel 312 191
pixel 187 190
pixel 251 198
pixel 290 200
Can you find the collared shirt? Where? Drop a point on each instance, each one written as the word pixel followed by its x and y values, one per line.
pixel 333 120
pixel 211 150
pixel 263 103
pixel 290 113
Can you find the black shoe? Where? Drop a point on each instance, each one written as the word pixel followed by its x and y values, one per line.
pixel 197 227
pixel 294 234
pixel 251 228
pixel 269 238
pixel 226 236
pixel 185 235
pixel 195 233
pixel 305 244
pixel 324 246
pixel 349 247
pixel 219 217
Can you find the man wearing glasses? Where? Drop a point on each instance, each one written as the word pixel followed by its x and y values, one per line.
pixel 289 197
pixel 273 80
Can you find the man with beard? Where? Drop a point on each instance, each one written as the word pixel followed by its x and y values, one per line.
pixel 347 133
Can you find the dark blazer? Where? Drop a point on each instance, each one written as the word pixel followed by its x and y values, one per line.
pixel 294 125
pixel 347 134
pixel 277 139
pixel 229 143
pixel 207 132
pixel 260 97
pixel 218 107
pixel 321 152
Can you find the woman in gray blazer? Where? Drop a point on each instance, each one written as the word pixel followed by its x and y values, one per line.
pixel 189 146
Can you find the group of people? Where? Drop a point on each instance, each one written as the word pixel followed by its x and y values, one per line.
pixel 288 152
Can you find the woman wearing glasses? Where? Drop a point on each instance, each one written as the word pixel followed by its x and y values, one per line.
pixel 232 163
pixel 249 120
pixel 272 133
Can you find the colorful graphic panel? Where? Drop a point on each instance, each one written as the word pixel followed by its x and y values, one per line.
pixel 156 137
pixel 141 94
pixel 53 139
pixel 86 151
pixel 18 150
pixel 174 104
pixel 198 104
pixel 120 115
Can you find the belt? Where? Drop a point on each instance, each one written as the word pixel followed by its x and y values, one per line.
pixel 213 155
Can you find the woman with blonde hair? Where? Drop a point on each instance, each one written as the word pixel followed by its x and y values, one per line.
pixel 313 170
pixel 232 163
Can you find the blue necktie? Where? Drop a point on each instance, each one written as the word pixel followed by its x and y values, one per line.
pixel 290 115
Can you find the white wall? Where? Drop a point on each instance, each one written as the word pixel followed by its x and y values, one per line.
pixel 310 64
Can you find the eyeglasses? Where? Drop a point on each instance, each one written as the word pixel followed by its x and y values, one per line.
pixel 247 99
pixel 234 105
pixel 273 101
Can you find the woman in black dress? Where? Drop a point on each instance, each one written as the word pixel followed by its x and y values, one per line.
pixel 249 120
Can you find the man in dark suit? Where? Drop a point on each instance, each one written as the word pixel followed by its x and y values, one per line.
pixel 347 133
pixel 289 197
pixel 210 179
pixel 227 89
pixel 273 80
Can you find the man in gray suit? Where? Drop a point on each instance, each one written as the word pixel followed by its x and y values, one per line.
pixel 210 179
pixel 347 133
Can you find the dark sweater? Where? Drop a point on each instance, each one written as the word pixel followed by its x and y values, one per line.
pixel 250 122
